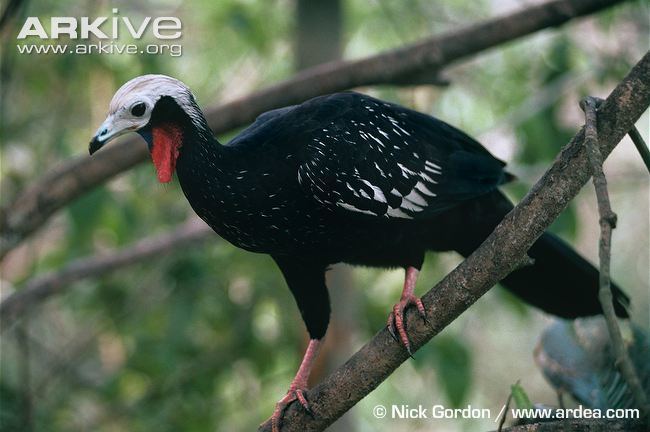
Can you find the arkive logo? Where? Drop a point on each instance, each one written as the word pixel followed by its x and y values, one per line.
pixel 106 32
pixel 83 27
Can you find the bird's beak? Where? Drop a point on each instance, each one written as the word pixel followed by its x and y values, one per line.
pixel 111 128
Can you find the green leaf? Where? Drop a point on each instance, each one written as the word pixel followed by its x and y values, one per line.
pixel 520 397
pixel 453 367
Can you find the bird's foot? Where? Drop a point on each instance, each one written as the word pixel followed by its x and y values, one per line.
pixel 294 394
pixel 396 322
pixel 297 388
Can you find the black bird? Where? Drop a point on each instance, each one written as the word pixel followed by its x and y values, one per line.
pixel 343 178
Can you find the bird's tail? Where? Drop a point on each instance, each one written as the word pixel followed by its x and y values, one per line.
pixel 560 281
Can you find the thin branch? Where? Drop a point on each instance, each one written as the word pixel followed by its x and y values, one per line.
pixel 502 421
pixel 62 362
pixel 641 146
pixel 581 425
pixel 33 207
pixel 491 262
pixel 41 288
pixel 607 224
pixel 11 9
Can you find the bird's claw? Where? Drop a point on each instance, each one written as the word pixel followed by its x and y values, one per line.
pixel 390 328
pixel 397 324
pixel 292 395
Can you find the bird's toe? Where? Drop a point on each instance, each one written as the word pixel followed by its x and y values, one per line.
pixel 397 321
pixel 282 405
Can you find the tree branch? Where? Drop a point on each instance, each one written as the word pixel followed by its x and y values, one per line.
pixel 491 262
pixel 607 224
pixel 641 147
pixel 41 288
pixel 33 207
pixel 581 425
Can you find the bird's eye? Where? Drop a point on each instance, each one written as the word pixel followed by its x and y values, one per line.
pixel 138 109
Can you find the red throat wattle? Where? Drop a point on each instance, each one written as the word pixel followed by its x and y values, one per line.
pixel 167 140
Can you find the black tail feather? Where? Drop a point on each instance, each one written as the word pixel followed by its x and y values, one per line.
pixel 561 282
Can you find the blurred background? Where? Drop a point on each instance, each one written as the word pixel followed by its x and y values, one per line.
pixel 208 337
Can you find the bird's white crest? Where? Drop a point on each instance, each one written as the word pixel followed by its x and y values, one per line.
pixel 150 88
pixel 145 91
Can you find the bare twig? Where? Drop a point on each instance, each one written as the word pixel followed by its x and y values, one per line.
pixel 33 207
pixel 641 146
pixel 607 223
pixel 492 261
pixel 11 9
pixel 581 425
pixel 39 289
pixel 502 421
pixel 62 363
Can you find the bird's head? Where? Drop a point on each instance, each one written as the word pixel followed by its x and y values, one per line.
pixel 159 108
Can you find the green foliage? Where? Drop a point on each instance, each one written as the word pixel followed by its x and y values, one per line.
pixel 10 408
pixel 85 216
pixel 452 363
pixel 519 396
pixel 544 126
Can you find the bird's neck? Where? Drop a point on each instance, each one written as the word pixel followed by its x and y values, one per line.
pixel 180 140
pixel 206 172
pixel 199 147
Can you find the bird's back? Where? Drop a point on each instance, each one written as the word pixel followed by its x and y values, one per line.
pixel 357 153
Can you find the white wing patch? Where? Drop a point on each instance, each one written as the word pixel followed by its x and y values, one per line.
pixel 392 177
pixel 354 209
pixel 431 167
pixel 414 202
pixel 425 190
pixel 415 198
pixel 405 171
pixel 396 212
pixel 378 194
pixel 408 205
pixel 359 190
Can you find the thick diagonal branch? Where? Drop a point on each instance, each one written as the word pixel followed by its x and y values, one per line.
pixel 492 261
pixel 33 207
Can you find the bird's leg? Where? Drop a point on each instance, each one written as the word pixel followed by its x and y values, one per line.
pixel 298 385
pixel 396 317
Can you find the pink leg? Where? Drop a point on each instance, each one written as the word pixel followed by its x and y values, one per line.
pixel 396 317
pixel 298 385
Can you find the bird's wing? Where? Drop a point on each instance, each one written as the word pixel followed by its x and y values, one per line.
pixel 262 128
pixel 363 155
